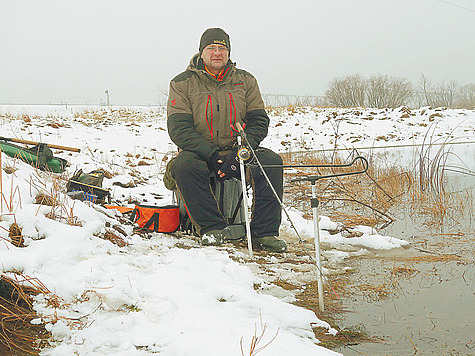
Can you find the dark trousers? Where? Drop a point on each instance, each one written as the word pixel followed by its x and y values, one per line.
pixel 192 176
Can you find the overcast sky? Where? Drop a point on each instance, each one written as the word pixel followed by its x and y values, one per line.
pixel 72 51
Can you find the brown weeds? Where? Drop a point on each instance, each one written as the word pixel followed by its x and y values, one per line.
pixel 15 235
pixel 345 337
pixel 374 198
pixel 14 198
pixel 353 200
pixel 109 235
pixel 18 336
pixel 257 340
pixel 333 310
pixel 51 190
pixel 429 258
pixel 407 270
pixel 432 195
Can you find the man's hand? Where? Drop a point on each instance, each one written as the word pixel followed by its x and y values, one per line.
pixel 230 167
pixel 215 163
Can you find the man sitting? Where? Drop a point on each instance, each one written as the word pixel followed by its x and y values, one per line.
pixel 205 103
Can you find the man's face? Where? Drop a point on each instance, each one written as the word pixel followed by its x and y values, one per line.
pixel 215 56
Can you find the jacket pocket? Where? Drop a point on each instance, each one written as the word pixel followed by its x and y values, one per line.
pixel 236 109
pixel 203 108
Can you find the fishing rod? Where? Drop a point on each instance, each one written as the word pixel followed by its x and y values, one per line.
pixel 244 153
pixel 27 142
pixel 388 146
pixel 364 160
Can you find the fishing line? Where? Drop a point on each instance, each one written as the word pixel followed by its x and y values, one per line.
pixel 389 146
pixel 243 134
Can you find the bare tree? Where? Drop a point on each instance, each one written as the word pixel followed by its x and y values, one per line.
pixel 376 91
pixel 448 94
pixel 162 95
pixel 385 92
pixel 424 92
pixel 346 92
pixel 382 91
pixel 445 94
pixel 466 97
pixel 402 92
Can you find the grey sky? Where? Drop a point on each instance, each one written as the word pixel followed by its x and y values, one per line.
pixel 72 51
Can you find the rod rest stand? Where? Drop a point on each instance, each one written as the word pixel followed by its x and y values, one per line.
pixel 313 179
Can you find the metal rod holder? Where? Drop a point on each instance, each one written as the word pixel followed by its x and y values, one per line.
pixel 314 205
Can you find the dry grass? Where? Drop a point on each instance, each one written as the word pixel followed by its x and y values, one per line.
pixel 108 115
pixel 431 194
pixel 102 116
pixel 18 336
pixel 286 110
pixel 50 190
pixel 366 198
pixel 428 258
pixel 333 311
pixel 13 199
pixel 356 219
pixel 439 208
pixel 111 236
pixel 377 292
pixel 258 340
pixel 308 297
pixel 22 330
pixel 15 235
pixel 345 337
pixel 406 270
pixel 376 197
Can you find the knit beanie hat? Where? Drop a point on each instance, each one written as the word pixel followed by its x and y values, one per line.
pixel 214 36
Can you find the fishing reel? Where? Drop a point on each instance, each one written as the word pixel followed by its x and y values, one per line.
pixel 243 153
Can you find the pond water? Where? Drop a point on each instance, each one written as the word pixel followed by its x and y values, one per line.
pixel 433 312
pixel 419 300
pixel 430 305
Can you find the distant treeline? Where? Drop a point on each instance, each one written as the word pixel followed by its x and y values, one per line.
pixel 383 91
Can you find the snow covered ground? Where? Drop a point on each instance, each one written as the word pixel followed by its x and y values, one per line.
pixel 167 294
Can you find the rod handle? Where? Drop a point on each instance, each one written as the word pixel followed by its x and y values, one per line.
pixel 66 148
pixel 239 127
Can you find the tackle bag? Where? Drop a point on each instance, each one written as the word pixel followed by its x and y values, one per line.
pixel 39 156
pixel 88 186
pixel 93 178
pixel 157 218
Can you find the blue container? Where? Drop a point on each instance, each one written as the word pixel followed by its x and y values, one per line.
pixel 82 196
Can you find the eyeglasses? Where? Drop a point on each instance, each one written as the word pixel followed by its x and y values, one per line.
pixel 219 49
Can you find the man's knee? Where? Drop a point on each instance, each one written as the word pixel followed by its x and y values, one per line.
pixel 275 158
pixel 269 157
pixel 188 163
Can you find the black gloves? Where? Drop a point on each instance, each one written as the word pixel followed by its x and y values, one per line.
pixel 215 162
pixel 225 167
pixel 230 167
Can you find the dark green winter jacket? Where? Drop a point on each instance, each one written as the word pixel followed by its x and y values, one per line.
pixel 201 109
